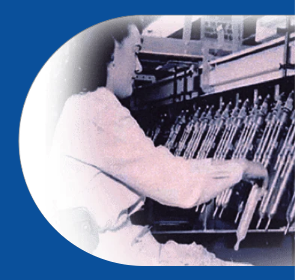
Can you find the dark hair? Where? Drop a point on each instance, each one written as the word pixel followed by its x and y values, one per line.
pixel 96 47
pixel 83 61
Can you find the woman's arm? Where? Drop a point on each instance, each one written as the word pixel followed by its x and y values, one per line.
pixel 97 130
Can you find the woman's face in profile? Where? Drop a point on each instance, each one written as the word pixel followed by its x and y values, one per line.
pixel 125 65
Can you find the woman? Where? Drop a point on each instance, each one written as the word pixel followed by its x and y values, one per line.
pixel 103 167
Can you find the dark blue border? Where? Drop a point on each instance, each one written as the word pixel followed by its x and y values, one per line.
pixel 31 32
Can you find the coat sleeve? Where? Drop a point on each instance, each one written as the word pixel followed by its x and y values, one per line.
pixel 96 130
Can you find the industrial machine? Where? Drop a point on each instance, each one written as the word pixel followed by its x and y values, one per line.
pixel 223 88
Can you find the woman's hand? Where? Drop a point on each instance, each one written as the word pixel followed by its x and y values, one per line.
pixel 254 172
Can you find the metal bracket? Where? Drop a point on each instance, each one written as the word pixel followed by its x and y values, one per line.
pixel 290 66
pixel 148 78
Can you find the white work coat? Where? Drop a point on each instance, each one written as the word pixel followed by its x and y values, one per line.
pixel 102 160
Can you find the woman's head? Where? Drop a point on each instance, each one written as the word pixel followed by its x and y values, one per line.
pixel 100 44
pixel 125 64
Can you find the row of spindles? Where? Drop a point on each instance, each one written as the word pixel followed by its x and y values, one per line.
pixel 263 132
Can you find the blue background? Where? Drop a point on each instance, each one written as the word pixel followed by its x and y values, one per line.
pixel 31 32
